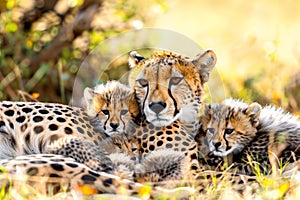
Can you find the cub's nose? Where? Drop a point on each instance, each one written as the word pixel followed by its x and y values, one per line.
pixel 217 145
pixel 157 106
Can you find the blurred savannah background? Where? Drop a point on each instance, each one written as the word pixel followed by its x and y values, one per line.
pixel 44 42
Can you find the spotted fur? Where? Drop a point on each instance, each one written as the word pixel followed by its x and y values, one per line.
pixel 110 103
pixel 169 87
pixel 55 173
pixel 30 127
pixel 235 129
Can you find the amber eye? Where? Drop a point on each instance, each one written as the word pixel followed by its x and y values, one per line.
pixel 105 112
pixel 124 112
pixel 175 80
pixel 143 82
pixel 228 131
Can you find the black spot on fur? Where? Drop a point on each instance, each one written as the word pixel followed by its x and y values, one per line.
pixel 152 138
pixel 21 105
pixel 89 134
pixel 185 143
pixel 11 125
pixel 159 133
pixel 169 146
pixel 50 118
pixel 144 144
pixel 88 178
pixel 48 106
pixel 54 176
pixel 57 167
pixel 20 119
pixel 108 182
pixel 7 105
pixel 177 138
pixel 27 110
pixel 75 113
pixel 169 132
pixel 175 125
pixel 94 174
pixel 57 112
pixel 38 162
pixel 32 171
pixel 159 143
pixel 9 113
pixel 151 147
pixel 72 165
pixel 53 127
pixel 2 123
pixel 38 129
pixel 169 139
pixel 80 130
pixel 60 119
pixel 68 130
pixel 37 118
pixel 74 121
pixel 81 120
pixel 43 111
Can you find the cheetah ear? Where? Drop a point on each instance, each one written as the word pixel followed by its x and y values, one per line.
pixel 89 100
pixel 253 111
pixel 207 110
pixel 134 59
pixel 133 106
pixel 205 62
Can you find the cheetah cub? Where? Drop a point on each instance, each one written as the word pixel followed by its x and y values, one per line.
pixel 109 103
pixel 269 135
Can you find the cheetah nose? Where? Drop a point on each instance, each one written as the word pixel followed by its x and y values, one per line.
pixel 217 144
pixel 114 125
pixel 157 106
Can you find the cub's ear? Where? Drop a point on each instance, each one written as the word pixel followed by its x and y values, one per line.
pixel 134 59
pixel 88 95
pixel 205 62
pixel 253 111
pixel 207 110
pixel 133 106
pixel 89 100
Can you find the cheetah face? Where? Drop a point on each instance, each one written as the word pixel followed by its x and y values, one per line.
pixel 110 104
pixel 169 87
pixel 229 128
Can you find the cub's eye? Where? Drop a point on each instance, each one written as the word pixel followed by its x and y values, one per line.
pixel 143 82
pixel 211 130
pixel 124 112
pixel 105 112
pixel 175 80
pixel 228 131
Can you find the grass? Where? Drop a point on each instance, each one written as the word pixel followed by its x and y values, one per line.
pixel 223 185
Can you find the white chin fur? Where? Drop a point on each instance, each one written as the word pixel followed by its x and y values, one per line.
pixel 187 114
pixel 160 123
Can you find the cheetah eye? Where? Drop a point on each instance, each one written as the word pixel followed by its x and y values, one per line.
pixel 175 80
pixel 211 130
pixel 228 131
pixel 105 112
pixel 142 82
pixel 124 112
pixel 134 149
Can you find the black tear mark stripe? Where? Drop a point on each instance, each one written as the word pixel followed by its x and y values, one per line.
pixel 173 99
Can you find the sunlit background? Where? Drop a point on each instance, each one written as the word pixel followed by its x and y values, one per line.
pixel 257 43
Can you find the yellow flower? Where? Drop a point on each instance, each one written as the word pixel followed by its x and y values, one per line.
pixel 86 190
pixel 144 192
